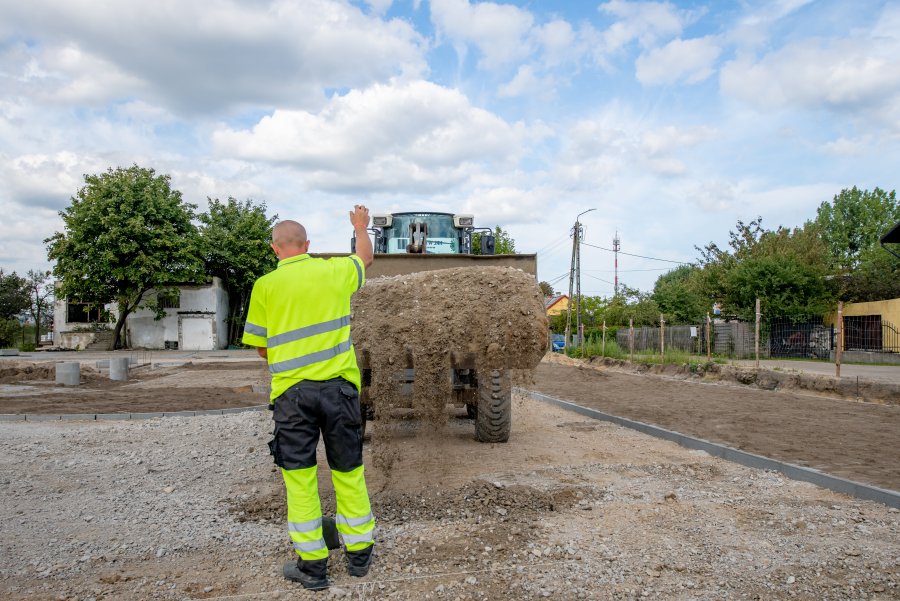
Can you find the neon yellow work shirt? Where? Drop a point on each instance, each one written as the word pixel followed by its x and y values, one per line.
pixel 301 314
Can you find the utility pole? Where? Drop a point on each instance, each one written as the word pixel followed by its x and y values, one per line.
pixel 616 255
pixel 571 298
pixel 575 278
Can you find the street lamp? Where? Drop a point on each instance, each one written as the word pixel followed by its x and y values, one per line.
pixel 575 274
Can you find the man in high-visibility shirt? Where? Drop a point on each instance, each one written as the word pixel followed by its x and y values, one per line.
pixel 299 320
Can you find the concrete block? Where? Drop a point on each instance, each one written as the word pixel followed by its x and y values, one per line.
pixel 103 364
pixel 118 369
pixel 37 417
pixel 78 416
pixel 234 410
pixel 210 412
pixel 68 373
pixel 145 415
pixel 9 352
pixel 10 417
pixel 180 414
pixel 113 416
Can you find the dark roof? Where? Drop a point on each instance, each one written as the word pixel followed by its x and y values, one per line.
pixel 893 236
pixel 549 302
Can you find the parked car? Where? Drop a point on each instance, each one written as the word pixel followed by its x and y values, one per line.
pixel 558 341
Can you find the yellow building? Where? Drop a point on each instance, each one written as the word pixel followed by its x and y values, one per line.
pixel 872 326
pixel 555 305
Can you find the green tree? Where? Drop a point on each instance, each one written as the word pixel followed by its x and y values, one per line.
pixel 13 301
pixel 851 226
pixel 546 289
pixel 126 231
pixel 787 269
pixel 853 222
pixel 40 292
pixel 876 278
pixel 784 285
pixel 630 303
pixel 234 245
pixel 679 295
pixel 503 243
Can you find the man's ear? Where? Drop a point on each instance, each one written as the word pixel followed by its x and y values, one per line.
pixel 274 248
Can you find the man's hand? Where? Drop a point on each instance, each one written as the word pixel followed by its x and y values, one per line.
pixel 359 217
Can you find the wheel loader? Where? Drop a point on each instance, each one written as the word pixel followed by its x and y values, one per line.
pixel 415 242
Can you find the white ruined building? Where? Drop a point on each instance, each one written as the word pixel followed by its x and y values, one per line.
pixel 194 321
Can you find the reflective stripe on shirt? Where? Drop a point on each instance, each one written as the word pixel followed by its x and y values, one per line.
pixel 307 331
pixel 311 358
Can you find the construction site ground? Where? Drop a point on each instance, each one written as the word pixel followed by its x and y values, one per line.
pixel 570 508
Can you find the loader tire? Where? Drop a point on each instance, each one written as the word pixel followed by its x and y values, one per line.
pixel 493 419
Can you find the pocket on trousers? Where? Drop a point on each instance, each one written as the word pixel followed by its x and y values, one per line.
pixel 350 404
pixel 274 451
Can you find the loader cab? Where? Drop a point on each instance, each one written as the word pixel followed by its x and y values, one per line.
pixel 426 233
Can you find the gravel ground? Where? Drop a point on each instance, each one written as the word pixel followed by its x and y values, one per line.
pixel 189 508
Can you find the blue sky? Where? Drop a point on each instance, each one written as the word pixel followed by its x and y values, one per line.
pixel 672 119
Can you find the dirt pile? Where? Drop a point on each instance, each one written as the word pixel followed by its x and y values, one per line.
pixel 27 372
pixel 484 318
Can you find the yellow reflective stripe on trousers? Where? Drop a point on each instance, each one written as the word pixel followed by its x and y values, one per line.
pixel 304 360
pixel 304 513
pixel 354 517
pixel 307 331
pixel 339 519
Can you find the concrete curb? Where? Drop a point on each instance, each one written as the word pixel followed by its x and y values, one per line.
pixel 794 472
pixel 38 417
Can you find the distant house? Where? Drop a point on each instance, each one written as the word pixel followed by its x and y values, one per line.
pixel 555 305
pixel 872 327
pixel 194 321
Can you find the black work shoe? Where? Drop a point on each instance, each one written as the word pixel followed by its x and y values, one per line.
pixel 293 572
pixel 330 533
pixel 358 562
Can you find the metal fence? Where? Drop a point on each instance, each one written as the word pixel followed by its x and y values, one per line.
pixel 870 333
pixel 866 338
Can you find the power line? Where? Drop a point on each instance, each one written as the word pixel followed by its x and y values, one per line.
pixel 601 279
pixel 639 256
pixel 625 270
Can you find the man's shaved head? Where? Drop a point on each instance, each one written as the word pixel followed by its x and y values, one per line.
pixel 289 235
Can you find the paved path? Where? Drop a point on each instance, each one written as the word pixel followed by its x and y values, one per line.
pixel 875 373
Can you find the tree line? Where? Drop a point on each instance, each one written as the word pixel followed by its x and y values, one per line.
pixel 835 256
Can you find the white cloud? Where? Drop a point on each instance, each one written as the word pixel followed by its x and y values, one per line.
pixel 645 22
pixel 526 82
pixel 379 7
pixel 688 61
pixel 559 42
pixel 499 31
pixel 215 56
pixel 413 134
pixel 848 147
pixel 44 180
pixel 670 138
pixel 753 28
pixel 858 75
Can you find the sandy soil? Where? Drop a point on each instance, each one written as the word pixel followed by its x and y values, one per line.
pixel 855 440
pixel 570 508
pixel 31 389
pixel 190 508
